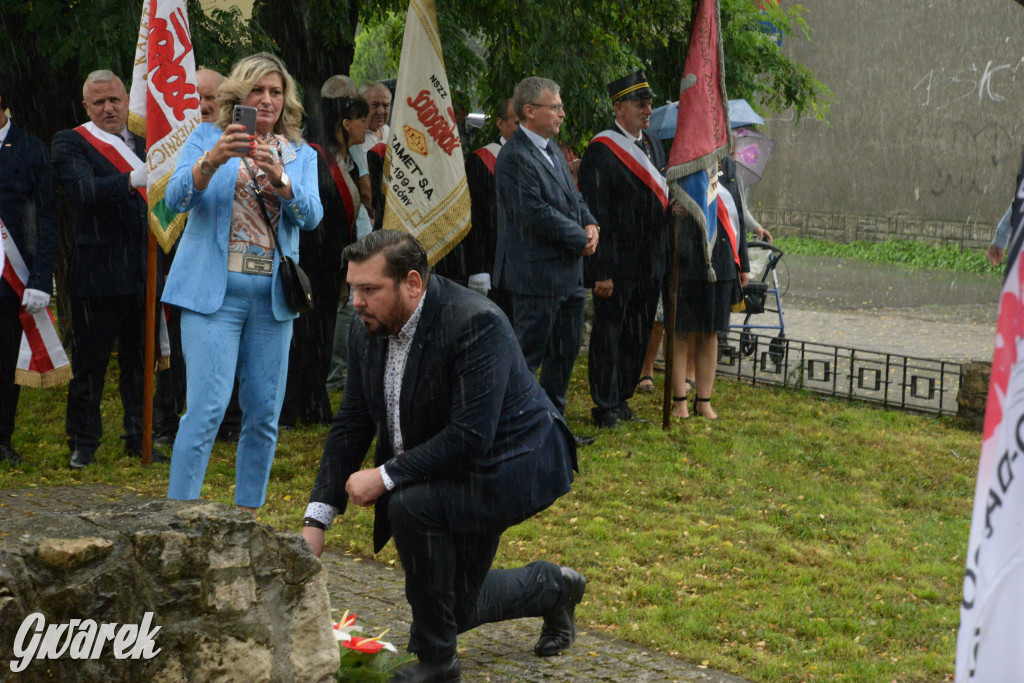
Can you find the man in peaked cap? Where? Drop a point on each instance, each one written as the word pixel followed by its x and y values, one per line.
pixel 622 180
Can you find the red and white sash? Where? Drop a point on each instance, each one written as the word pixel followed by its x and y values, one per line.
pixel 636 161
pixel 42 361
pixel 339 182
pixel 380 149
pixel 489 154
pixel 113 148
pixel 728 218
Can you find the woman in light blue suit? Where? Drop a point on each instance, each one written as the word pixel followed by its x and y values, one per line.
pixel 225 275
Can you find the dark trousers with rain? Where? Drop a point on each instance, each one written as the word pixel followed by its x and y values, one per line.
pixel 10 342
pixel 550 331
pixel 448 577
pixel 99 322
pixel 618 340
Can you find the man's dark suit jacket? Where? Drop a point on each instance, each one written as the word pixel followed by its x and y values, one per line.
pixel 475 423
pixel 27 206
pixel 634 225
pixel 110 219
pixel 541 219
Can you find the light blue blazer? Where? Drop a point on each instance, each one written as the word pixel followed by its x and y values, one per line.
pixel 199 275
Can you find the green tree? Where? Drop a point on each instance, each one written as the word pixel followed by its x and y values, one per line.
pixel 50 47
pixel 378 47
pixel 583 46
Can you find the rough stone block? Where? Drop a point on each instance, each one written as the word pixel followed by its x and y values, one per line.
pixel 227 599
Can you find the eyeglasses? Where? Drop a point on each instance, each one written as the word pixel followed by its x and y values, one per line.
pixel 553 107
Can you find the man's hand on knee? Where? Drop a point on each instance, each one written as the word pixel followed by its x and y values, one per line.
pixel 365 487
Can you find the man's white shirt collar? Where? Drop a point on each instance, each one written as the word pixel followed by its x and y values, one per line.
pixel 539 141
pixel 5 130
pixel 630 136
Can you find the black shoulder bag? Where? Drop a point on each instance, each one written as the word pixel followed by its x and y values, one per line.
pixel 297 291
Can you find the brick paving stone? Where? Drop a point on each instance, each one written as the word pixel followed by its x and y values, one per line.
pixel 501 653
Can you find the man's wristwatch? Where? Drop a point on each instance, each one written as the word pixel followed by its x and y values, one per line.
pixel 315 523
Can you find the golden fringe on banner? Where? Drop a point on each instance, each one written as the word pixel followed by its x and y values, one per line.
pixel 447 224
pixel 137 124
pixel 45 380
pixel 165 236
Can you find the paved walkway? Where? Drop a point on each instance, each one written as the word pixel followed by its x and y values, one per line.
pixel 501 653
pixel 926 314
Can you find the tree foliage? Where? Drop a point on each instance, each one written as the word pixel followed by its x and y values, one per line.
pixel 489 45
pixel 51 47
pixel 583 46
pixel 378 48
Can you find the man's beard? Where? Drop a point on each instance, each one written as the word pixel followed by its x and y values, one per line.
pixel 376 327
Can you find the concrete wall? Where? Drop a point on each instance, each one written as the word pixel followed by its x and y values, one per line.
pixel 924 140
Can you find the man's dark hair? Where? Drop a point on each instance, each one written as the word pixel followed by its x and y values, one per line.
pixel 507 109
pixel 402 254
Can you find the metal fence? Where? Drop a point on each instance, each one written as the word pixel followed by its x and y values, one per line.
pixel 905 382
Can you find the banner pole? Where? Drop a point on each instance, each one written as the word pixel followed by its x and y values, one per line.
pixel 149 360
pixel 670 318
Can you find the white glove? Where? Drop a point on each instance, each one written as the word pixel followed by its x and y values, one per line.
pixel 481 282
pixel 34 301
pixel 139 177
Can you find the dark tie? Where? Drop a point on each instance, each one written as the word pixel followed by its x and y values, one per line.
pixel 642 144
pixel 553 154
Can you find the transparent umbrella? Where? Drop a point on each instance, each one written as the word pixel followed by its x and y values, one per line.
pixel 752 152
pixel 663 119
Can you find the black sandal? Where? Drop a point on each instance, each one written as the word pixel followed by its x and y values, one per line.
pixel 698 399
pixel 680 399
pixel 644 389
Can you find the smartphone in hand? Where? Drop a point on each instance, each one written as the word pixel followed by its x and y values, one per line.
pixel 245 116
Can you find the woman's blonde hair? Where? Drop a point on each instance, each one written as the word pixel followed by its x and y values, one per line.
pixel 244 76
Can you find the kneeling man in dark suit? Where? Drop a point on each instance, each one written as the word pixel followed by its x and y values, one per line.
pixel 467 445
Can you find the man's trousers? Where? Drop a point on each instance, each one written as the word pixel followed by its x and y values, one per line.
pixel 449 582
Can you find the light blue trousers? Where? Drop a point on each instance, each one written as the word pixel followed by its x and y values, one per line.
pixel 242 334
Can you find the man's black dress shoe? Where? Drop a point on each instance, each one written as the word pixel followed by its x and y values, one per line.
pixel 583 440
pixel 625 414
pixel 80 458
pixel 427 672
pixel 10 456
pixel 604 418
pixel 559 631
pixel 156 455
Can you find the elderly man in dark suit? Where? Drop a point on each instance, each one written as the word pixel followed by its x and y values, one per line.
pixel 29 214
pixel 544 230
pixel 467 445
pixel 622 179
pixel 100 167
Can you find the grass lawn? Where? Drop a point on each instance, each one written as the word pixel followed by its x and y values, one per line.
pixel 906 253
pixel 797 538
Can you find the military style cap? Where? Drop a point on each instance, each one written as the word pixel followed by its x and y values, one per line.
pixel 631 87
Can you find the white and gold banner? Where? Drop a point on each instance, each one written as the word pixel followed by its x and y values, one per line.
pixel 424 174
